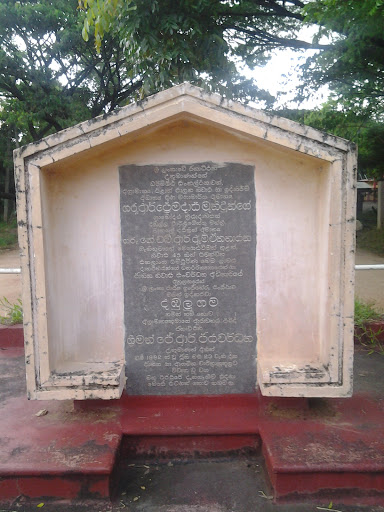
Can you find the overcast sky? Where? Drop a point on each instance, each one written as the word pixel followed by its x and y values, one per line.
pixel 279 75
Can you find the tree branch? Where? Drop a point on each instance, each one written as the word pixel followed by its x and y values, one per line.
pixel 279 10
pixel 33 131
pixel 53 122
pixel 275 41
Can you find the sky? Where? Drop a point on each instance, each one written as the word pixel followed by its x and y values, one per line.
pixel 279 75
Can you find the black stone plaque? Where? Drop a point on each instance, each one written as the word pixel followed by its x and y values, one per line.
pixel 188 242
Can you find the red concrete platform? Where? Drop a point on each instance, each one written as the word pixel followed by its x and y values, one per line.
pixel 341 451
pixel 324 447
pixel 11 336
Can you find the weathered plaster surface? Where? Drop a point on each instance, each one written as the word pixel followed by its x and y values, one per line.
pixel 69 228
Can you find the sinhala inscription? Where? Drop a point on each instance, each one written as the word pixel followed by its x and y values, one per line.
pixel 188 243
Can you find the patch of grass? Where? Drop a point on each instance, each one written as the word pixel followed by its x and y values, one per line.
pixel 8 234
pixel 368 218
pixel 371 239
pixel 366 334
pixel 14 312
pixel 365 312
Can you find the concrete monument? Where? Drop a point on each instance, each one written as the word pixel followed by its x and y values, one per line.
pixel 187 245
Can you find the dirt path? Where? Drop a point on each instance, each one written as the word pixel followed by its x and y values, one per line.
pixel 369 283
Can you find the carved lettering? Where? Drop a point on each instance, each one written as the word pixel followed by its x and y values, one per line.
pixel 188 236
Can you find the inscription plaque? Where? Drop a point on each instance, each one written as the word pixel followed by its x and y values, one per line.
pixel 188 246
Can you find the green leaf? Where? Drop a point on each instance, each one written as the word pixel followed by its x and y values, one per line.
pixel 84 33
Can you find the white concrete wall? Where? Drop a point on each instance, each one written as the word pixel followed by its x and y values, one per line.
pixel 82 241
pixel 69 234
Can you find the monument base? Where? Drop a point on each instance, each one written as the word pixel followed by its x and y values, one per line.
pixel 328 448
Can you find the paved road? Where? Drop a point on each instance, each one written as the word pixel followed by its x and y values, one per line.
pixel 369 283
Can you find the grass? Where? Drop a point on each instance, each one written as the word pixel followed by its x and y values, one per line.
pixel 365 312
pixel 14 312
pixel 372 240
pixel 8 234
pixel 370 237
pixel 366 334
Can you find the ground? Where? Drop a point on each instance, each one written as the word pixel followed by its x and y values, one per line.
pixel 221 483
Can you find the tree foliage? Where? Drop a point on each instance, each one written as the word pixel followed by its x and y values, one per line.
pixel 201 41
pixel 169 42
pixel 64 61
pixel 353 64
pixel 50 78
pixel 367 133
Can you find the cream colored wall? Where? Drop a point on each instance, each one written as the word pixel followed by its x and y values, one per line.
pixel 82 254
pixel 82 241
pixel 290 278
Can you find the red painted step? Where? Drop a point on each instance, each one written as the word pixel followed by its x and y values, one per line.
pixel 324 447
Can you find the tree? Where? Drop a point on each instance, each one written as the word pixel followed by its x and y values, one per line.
pixel 353 64
pixel 367 133
pixel 169 42
pixel 201 41
pixel 49 77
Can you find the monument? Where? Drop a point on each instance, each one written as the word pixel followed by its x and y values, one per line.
pixel 187 245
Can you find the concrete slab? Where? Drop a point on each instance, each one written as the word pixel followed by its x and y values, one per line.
pixel 47 445
pixel 197 486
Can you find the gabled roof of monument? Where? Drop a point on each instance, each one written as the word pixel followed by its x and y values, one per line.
pixel 191 103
